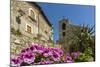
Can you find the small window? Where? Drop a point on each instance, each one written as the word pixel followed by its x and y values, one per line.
pixel 29 29
pixel 18 20
pixel 64 26
pixel 63 34
pixel 32 14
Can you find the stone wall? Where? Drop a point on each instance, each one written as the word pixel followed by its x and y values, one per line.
pixel 23 40
pixel 20 42
pixel 45 29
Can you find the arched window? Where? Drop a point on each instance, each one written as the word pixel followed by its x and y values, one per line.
pixel 32 14
pixel 63 26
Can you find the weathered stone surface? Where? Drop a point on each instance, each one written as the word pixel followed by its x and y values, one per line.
pixel 38 26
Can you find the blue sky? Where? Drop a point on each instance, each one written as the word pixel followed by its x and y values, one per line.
pixel 77 14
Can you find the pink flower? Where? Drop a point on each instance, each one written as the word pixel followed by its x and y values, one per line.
pixel 15 61
pixel 68 59
pixel 58 50
pixel 26 50
pixel 75 54
pixel 28 58
pixel 37 49
pixel 47 52
pixel 45 62
pixel 49 62
pixel 56 56
pixel 40 54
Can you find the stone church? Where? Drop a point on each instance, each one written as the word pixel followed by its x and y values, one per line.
pixel 28 24
pixel 66 29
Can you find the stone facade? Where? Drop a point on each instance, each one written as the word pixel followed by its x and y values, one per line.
pixel 66 28
pixel 66 33
pixel 63 28
pixel 62 33
pixel 28 25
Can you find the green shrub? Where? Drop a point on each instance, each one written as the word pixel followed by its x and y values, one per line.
pixel 83 58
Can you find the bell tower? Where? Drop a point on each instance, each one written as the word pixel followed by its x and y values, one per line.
pixel 63 34
pixel 62 28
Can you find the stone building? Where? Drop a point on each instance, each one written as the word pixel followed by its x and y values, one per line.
pixel 66 33
pixel 63 28
pixel 28 25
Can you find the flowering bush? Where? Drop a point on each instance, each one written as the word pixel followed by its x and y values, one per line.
pixel 38 54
